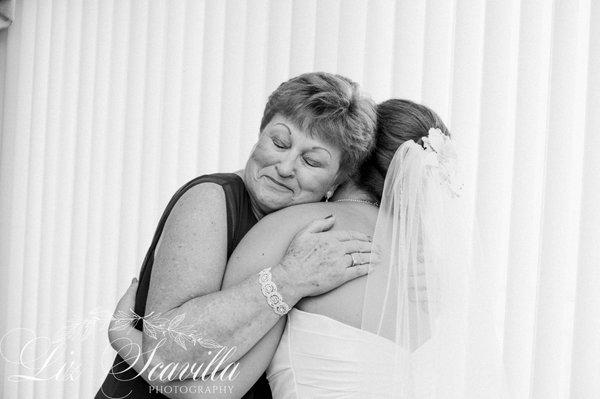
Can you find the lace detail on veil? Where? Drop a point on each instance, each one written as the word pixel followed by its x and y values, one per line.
pixel 441 154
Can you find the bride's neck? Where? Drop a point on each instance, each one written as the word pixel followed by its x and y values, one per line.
pixel 350 190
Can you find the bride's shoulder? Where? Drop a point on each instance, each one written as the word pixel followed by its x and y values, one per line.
pixel 315 210
pixel 300 213
pixel 278 228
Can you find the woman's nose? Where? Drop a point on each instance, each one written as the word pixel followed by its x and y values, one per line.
pixel 286 167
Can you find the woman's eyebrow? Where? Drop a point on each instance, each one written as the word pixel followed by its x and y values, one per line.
pixel 313 148
pixel 322 148
pixel 286 126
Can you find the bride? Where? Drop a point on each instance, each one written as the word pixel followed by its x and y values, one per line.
pixel 411 329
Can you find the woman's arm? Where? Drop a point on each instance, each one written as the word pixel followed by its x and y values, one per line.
pixel 238 316
pixel 191 255
pixel 233 382
pixel 263 244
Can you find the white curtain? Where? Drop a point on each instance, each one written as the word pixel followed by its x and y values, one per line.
pixel 107 107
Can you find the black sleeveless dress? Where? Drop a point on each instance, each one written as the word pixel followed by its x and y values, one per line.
pixel 240 220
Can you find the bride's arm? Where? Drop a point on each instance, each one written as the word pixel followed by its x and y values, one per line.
pixel 233 382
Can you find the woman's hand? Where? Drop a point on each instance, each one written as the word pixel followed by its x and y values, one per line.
pixel 122 335
pixel 318 260
pixel 126 339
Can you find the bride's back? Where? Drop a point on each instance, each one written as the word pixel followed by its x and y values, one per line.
pixel 344 303
pixel 323 352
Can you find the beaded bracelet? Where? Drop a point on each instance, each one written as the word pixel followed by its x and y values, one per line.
pixel 269 290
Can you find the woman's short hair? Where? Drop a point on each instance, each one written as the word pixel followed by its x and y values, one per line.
pixel 397 121
pixel 331 108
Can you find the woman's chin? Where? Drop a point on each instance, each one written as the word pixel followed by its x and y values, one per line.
pixel 274 206
pixel 274 199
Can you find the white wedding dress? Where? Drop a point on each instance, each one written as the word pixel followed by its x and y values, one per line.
pixel 319 357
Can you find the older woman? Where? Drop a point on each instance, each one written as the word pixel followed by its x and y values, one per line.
pixel 323 351
pixel 316 128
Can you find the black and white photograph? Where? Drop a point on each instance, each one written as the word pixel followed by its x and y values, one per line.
pixel 300 199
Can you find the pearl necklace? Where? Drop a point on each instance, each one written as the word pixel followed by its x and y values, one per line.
pixel 373 203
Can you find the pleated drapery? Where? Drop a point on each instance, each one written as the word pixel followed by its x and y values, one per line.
pixel 107 107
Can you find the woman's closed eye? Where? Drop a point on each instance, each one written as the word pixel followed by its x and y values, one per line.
pixel 278 143
pixel 311 162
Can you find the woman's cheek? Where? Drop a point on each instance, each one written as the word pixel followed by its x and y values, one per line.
pixel 317 183
pixel 263 155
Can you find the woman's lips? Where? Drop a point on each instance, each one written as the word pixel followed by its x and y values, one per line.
pixel 279 184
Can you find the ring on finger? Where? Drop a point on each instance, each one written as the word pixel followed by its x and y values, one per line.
pixel 353 260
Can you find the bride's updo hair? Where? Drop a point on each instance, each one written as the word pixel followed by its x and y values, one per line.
pixel 397 121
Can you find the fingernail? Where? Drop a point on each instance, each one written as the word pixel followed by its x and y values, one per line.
pixel 330 216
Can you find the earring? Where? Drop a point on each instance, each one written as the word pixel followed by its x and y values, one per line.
pixel 328 195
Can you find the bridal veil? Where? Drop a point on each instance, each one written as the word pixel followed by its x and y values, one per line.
pixel 426 292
